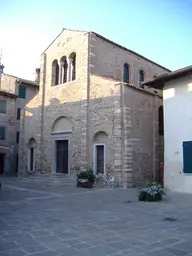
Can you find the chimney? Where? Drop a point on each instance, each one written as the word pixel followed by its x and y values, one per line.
pixel 1 69
pixel 37 75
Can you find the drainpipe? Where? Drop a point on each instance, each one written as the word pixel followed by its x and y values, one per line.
pixel 87 102
pixel 42 114
pixel 122 132
pixel 1 72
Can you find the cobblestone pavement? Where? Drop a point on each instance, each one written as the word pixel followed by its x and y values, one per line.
pixel 52 220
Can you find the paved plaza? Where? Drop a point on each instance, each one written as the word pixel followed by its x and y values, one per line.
pixel 53 220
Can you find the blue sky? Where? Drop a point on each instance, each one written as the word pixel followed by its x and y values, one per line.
pixel 158 29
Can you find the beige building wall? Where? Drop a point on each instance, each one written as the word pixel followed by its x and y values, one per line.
pixel 11 84
pixel 7 146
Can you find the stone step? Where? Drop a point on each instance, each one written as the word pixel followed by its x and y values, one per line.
pixel 58 179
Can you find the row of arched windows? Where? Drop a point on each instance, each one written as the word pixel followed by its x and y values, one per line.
pixel 65 70
pixel 126 75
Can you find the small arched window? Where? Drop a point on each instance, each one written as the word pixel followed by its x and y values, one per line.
pixel 72 66
pixel 31 154
pixel 63 70
pixel 55 73
pixel 126 73
pixel 141 78
pixel 161 121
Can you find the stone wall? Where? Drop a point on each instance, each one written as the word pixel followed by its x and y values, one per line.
pixel 105 116
pixel 143 144
pixel 108 59
pixel 100 107
pixel 67 100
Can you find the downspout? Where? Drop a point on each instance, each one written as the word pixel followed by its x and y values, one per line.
pixel 42 114
pixel 122 132
pixel 88 99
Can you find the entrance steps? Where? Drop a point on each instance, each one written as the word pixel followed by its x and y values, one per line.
pixel 50 179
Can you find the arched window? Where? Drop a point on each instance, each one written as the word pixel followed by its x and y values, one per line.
pixel 63 70
pixel 141 78
pixel 65 65
pixel 31 154
pixel 55 73
pixel 161 121
pixel 126 73
pixel 72 67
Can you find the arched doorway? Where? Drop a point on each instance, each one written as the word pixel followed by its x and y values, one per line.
pixel 31 155
pixel 61 133
pixel 99 152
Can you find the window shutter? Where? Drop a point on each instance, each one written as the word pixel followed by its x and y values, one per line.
pixel 2 132
pixel 22 92
pixel 3 106
pixel 187 156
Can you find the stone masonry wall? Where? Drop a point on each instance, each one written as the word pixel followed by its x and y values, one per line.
pixel 67 100
pixel 108 60
pixel 143 142
pixel 105 116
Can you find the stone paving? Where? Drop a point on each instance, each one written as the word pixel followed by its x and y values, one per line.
pixel 56 220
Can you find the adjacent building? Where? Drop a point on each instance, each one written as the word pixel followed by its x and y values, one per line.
pixel 15 93
pixel 177 98
pixel 92 111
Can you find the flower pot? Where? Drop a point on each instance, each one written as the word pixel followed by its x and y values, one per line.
pixel 88 184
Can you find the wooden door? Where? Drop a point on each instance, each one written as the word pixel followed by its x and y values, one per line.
pixel 100 159
pixel 62 156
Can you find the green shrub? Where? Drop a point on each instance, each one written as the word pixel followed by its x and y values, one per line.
pixel 86 175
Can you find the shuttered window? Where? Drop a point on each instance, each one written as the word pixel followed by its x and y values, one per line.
pixel 22 92
pixel 187 156
pixel 2 132
pixel 3 106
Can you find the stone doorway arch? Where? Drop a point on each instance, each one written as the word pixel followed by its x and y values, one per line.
pixel 61 134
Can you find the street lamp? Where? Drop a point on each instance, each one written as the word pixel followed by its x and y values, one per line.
pixel 1 68
pixel 1 72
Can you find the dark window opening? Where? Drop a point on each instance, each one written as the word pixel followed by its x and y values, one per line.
pixel 3 106
pixel 126 73
pixel 17 137
pixel 2 132
pixel 161 121
pixel 65 66
pixel 22 92
pixel 141 78
pixel 17 163
pixel 31 159
pixel 18 113
pixel 55 73
pixel 187 159
pixel 74 68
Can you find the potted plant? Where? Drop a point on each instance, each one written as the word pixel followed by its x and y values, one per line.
pixel 85 179
pixel 151 193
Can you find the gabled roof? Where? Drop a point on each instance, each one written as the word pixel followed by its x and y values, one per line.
pixel 8 94
pixel 158 82
pixel 27 81
pixel 22 80
pixel 109 41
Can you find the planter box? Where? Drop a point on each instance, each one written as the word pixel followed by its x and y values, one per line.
pixel 88 184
